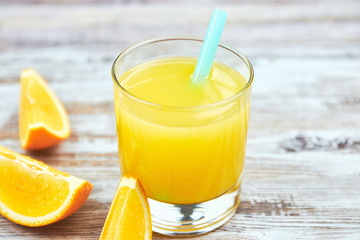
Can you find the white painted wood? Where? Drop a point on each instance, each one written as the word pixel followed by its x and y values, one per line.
pixel 302 177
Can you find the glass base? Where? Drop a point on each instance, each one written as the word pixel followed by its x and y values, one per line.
pixel 189 220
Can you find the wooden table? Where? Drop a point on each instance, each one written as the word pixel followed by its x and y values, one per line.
pixel 302 177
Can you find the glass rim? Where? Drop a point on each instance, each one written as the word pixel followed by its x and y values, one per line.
pixel 196 107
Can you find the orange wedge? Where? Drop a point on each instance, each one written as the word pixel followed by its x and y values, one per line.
pixel 43 121
pixel 129 215
pixel 34 194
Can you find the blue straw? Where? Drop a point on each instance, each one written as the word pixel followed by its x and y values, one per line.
pixel 208 50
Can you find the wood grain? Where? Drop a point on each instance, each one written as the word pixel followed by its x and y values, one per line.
pixel 302 177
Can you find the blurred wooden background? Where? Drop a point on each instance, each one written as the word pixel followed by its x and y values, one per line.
pixel 302 178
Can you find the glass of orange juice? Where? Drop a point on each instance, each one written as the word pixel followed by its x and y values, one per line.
pixel 184 141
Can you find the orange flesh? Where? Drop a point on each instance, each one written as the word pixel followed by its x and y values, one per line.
pixel 112 223
pixel 34 194
pixel 17 189
pixel 127 218
pixel 37 107
pixel 135 220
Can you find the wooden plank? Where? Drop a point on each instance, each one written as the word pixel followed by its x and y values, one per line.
pixel 167 2
pixel 321 96
pixel 298 23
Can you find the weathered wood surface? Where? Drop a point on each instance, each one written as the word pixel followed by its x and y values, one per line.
pixel 302 178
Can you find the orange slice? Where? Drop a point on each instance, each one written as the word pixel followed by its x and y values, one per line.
pixel 43 121
pixel 34 194
pixel 129 215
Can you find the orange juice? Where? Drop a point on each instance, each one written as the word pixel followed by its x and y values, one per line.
pixel 185 142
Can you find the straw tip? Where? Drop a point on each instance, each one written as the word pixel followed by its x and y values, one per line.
pixel 211 42
pixel 219 11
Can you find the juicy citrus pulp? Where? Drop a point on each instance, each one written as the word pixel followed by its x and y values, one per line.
pixel 34 194
pixel 129 215
pixel 43 121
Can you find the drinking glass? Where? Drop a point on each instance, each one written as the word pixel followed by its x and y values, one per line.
pixel 190 160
